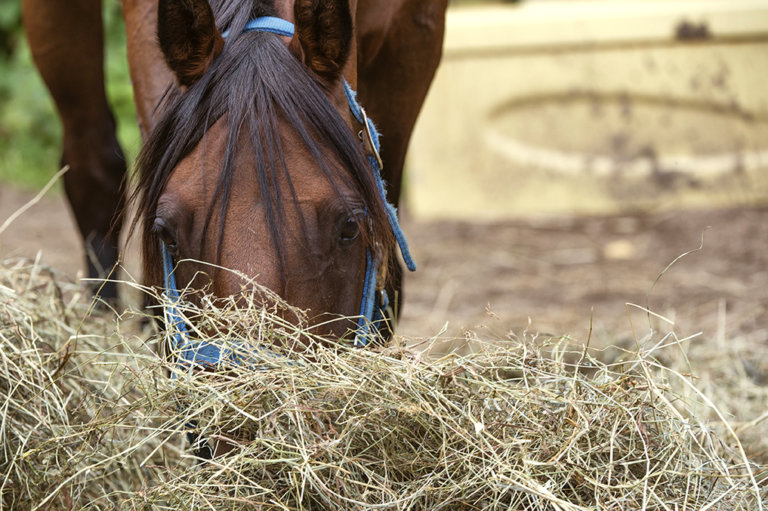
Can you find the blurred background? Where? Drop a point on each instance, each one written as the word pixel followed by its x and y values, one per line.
pixel 30 132
pixel 569 151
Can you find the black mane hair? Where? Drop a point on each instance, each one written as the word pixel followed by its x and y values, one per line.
pixel 255 83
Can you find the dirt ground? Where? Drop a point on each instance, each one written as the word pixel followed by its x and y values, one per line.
pixel 552 275
pixel 540 275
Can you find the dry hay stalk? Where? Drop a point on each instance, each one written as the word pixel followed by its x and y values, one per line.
pixel 90 420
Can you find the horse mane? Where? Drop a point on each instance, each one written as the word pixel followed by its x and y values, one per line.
pixel 254 83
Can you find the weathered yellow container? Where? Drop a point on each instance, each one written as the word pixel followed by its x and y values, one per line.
pixel 587 107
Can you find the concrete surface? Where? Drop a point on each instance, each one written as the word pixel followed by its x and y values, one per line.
pixel 595 107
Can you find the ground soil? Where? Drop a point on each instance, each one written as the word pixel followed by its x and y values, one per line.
pixel 566 276
pixel 556 276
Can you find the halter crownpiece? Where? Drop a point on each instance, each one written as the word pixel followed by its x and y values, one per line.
pixel 270 24
pixel 374 303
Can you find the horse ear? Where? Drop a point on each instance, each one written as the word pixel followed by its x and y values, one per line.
pixel 324 31
pixel 188 38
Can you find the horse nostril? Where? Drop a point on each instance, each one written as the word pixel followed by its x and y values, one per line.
pixel 349 231
pixel 166 234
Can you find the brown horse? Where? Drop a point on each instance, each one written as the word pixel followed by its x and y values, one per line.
pixel 251 158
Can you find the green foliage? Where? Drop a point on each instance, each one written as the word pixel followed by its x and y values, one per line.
pixel 10 28
pixel 30 132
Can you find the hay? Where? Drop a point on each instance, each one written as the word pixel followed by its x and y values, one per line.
pixel 90 420
pixel 72 403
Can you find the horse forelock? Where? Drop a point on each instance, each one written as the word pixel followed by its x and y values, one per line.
pixel 255 85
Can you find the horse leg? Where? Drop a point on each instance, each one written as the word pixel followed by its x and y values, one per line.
pixel 394 73
pixel 67 41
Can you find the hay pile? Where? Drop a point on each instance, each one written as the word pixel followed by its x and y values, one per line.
pixel 90 420
pixel 73 400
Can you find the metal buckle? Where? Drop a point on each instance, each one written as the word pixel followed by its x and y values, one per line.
pixel 368 143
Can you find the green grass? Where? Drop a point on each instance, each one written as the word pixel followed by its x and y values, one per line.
pixel 30 131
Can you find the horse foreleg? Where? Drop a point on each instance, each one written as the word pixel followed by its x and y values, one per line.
pixel 67 41
pixel 396 65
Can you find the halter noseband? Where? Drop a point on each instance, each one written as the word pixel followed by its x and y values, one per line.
pixel 374 304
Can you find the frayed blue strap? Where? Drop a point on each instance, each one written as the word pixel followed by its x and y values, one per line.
pixel 267 24
pixel 174 321
pixel 369 286
pixel 191 352
pixel 373 306
pixel 394 223
pixel 368 302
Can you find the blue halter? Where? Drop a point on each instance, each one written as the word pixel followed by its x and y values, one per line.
pixel 374 303
pixel 271 24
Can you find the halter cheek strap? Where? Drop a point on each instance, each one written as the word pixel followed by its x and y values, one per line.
pixel 194 352
pixel 374 303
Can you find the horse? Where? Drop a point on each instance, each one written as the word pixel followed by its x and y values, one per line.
pixel 252 157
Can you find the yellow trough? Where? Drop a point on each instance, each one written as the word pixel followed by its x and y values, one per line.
pixel 592 107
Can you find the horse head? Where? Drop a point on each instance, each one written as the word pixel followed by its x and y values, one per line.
pixel 255 164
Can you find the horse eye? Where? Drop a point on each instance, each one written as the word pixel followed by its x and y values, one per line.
pixel 167 235
pixel 349 231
